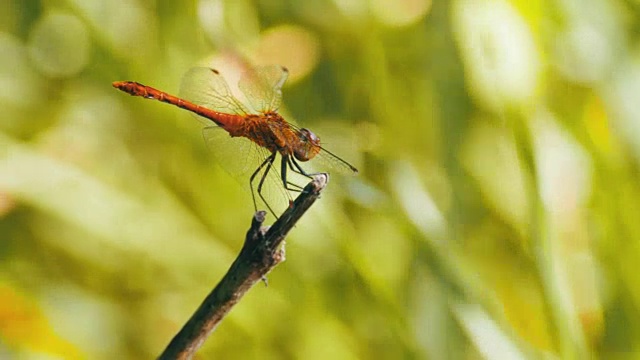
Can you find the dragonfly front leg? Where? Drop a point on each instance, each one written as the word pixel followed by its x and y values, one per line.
pixel 283 174
pixel 296 168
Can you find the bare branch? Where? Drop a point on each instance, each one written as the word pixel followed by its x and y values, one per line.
pixel 260 253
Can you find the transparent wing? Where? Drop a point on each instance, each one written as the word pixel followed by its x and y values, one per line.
pixel 234 154
pixel 333 163
pixel 240 157
pixel 206 87
pixel 263 87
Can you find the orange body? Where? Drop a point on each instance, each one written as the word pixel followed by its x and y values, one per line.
pixel 268 130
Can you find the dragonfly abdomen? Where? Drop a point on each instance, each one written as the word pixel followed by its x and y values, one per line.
pixel 230 122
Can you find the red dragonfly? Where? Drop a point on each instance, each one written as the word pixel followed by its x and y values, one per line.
pixel 248 136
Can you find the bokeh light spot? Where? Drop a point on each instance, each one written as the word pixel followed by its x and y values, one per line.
pixel 59 45
pixel 400 13
pixel 290 46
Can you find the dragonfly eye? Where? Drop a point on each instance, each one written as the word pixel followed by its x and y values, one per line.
pixel 310 136
pixel 309 145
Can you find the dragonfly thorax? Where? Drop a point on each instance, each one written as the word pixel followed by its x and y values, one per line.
pixel 270 131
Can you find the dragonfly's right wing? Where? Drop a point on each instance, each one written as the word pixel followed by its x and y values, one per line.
pixel 240 157
pixel 206 87
pixel 236 155
pixel 332 162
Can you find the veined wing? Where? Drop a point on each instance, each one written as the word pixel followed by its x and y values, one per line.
pixel 206 87
pixel 236 155
pixel 263 87
pixel 333 162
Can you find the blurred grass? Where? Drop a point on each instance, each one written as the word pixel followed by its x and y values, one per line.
pixel 495 214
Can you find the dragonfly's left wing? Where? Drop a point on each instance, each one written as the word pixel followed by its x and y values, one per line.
pixel 206 87
pixel 263 87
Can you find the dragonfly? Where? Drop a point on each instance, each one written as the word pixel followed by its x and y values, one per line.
pixel 247 136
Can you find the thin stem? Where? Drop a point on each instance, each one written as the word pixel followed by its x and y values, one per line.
pixel 260 253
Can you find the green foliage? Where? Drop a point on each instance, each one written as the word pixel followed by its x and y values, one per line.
pixel 495 214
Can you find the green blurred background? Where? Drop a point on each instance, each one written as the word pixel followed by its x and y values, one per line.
pixel 496 214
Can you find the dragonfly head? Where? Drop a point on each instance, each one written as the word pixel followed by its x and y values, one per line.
pixel 308 147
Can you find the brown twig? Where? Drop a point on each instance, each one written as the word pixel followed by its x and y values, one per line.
pixel 260 254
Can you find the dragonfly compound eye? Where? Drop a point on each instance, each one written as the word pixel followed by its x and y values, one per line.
pixel 310 136
pixel 309 145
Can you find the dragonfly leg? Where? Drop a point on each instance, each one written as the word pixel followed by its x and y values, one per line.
pixel 268 162
pixel 283 174
pixel 294 187
pixel 296 168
